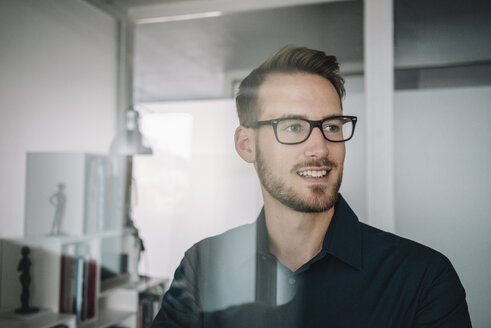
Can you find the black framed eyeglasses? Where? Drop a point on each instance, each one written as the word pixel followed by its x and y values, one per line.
pixel 291 131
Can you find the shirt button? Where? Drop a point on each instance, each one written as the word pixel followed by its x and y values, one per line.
pixel 263 257
pixel 291 281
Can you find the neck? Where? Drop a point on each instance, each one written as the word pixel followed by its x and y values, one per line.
pixel 295 237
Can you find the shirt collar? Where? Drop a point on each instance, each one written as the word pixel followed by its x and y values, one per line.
pixel 343 237
pixel 342 240
pixel 262 239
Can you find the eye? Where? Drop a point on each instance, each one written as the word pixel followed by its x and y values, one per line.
pixel 294 127
pixel 332 128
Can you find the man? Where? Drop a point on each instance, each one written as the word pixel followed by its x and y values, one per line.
pixel 307 261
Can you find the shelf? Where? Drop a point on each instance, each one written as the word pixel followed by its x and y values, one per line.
pixel 42 320
pixel 145 283
pixel 107 318
pixel 140 286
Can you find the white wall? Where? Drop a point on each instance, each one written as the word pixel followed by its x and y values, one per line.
pixel 353 187
pixel 195 185
pixel 57 89
pixel 443 182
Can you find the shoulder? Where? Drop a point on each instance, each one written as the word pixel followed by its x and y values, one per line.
pixel 232 243
pixel 438 293
pixel 235 235
pixel 436 288
pixel 405 252
pixel 222 268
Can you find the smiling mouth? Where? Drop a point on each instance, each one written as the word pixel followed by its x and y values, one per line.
pixel 313 173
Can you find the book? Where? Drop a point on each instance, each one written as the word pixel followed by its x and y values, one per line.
pixel 147 312
pixel 78 282
pixel 63 289
pixel 85 289
pixel 91 292
pixel 79 276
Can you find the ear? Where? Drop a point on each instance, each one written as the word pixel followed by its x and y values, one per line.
pixel 245 144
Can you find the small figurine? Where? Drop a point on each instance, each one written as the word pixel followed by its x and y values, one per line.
pixel 58 199
pixel 25 279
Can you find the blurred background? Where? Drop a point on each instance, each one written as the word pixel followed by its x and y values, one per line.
pixel 418 76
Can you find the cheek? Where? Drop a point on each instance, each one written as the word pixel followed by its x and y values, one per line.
pixel 276 156
pixel 266 144
pixel 338 153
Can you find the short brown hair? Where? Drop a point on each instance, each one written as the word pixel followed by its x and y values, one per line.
pixel 288 59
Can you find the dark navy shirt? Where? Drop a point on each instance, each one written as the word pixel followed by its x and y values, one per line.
pixel 362 277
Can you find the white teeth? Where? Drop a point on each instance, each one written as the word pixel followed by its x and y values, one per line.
pixel 313 174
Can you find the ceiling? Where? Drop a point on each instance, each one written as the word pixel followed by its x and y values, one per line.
pixel 201 58
pixel 194 59
pixel 139 3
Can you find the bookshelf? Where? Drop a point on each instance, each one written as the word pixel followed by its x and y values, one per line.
pixel 65 272
pixel 120 304
pixel 85 274
pixel 130 299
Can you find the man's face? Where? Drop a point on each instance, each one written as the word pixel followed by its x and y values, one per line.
pixel 304 177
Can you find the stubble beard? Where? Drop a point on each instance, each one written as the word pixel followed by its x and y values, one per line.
pixel 322 198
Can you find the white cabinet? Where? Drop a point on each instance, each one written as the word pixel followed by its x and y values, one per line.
pixel 77 187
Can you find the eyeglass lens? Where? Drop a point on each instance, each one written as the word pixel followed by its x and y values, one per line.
pixel 296 130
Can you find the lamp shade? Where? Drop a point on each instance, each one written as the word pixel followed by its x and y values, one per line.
pixel 130 141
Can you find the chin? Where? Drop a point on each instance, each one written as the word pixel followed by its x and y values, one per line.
pixel 319 201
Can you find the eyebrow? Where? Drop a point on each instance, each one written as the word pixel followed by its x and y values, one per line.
pixel 293 116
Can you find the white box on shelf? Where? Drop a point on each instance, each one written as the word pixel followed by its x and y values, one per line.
pixel 67 193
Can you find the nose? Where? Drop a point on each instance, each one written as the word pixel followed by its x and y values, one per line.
pixel 316 144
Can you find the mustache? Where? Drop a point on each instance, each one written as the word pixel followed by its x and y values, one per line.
pixel 323 162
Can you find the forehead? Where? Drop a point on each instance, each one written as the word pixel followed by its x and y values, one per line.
pixel 303 94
